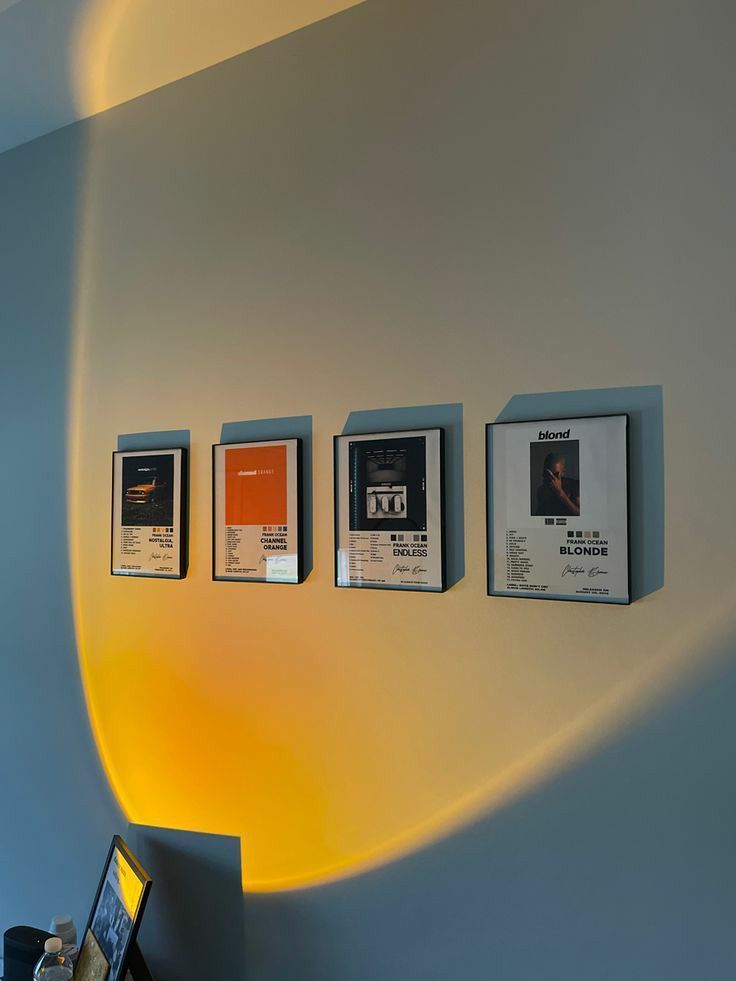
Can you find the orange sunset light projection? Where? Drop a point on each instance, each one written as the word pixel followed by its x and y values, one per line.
pixel 125 48
pixel 330 729
pixel 234 265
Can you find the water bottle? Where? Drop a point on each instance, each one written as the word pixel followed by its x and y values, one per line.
pixel 63 926
pixel 53 965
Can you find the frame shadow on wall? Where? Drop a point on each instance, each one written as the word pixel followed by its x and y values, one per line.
pixel 164 439
pixel 646 463
pixel 194 916
pixel 450 418
pixel 286 427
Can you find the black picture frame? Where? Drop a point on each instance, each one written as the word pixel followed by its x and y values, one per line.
pixel 299 442
pixel 489 516
pixel 130 953
pixel 183 514
pixel 442 510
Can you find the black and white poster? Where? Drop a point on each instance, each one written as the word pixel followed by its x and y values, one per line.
pixel 558 509
pixel 148 526
pixel 389 524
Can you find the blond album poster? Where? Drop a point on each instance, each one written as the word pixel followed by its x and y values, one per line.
pixel 148 513
pixel 389 510
pixel 558 523
pixel 257 524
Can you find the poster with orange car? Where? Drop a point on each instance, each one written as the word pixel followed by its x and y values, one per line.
pixel 149 534
pixel 257 524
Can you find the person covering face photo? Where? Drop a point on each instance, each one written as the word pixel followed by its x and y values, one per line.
pixel 557 494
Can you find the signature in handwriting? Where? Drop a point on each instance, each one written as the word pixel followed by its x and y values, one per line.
pixel 414 570
pixel 572 570
pixel 579 570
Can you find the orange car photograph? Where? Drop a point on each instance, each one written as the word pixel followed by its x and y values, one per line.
pixel 148 498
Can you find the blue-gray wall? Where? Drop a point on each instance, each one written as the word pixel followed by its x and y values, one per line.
pixel 57 814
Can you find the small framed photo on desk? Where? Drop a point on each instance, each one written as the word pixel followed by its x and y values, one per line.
pixel 115 917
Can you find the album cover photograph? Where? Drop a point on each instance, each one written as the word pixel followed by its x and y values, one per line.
pixel 148 490
pixel 554 473
pixel 388 486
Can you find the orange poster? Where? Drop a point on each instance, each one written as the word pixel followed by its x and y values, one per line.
pixel 255 485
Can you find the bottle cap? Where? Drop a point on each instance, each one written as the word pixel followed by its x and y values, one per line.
pixel 53 945
pixel 63 926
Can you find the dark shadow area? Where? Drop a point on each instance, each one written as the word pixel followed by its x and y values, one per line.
pixel 163 440
pixel 193 923
pixel 43 703
pixel 450 418
pixel 39 89
pixel 289 427
pixel 646 477
pixel 621 867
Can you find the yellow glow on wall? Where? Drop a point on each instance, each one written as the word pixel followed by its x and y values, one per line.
pixel 284 715
pixel 275 715
pixel 125 48
pixel 251 715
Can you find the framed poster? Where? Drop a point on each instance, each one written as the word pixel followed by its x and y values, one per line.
pixel 389 510
pixel 257 511
pixel 115 916
pixel 149 534
pixel 558 511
